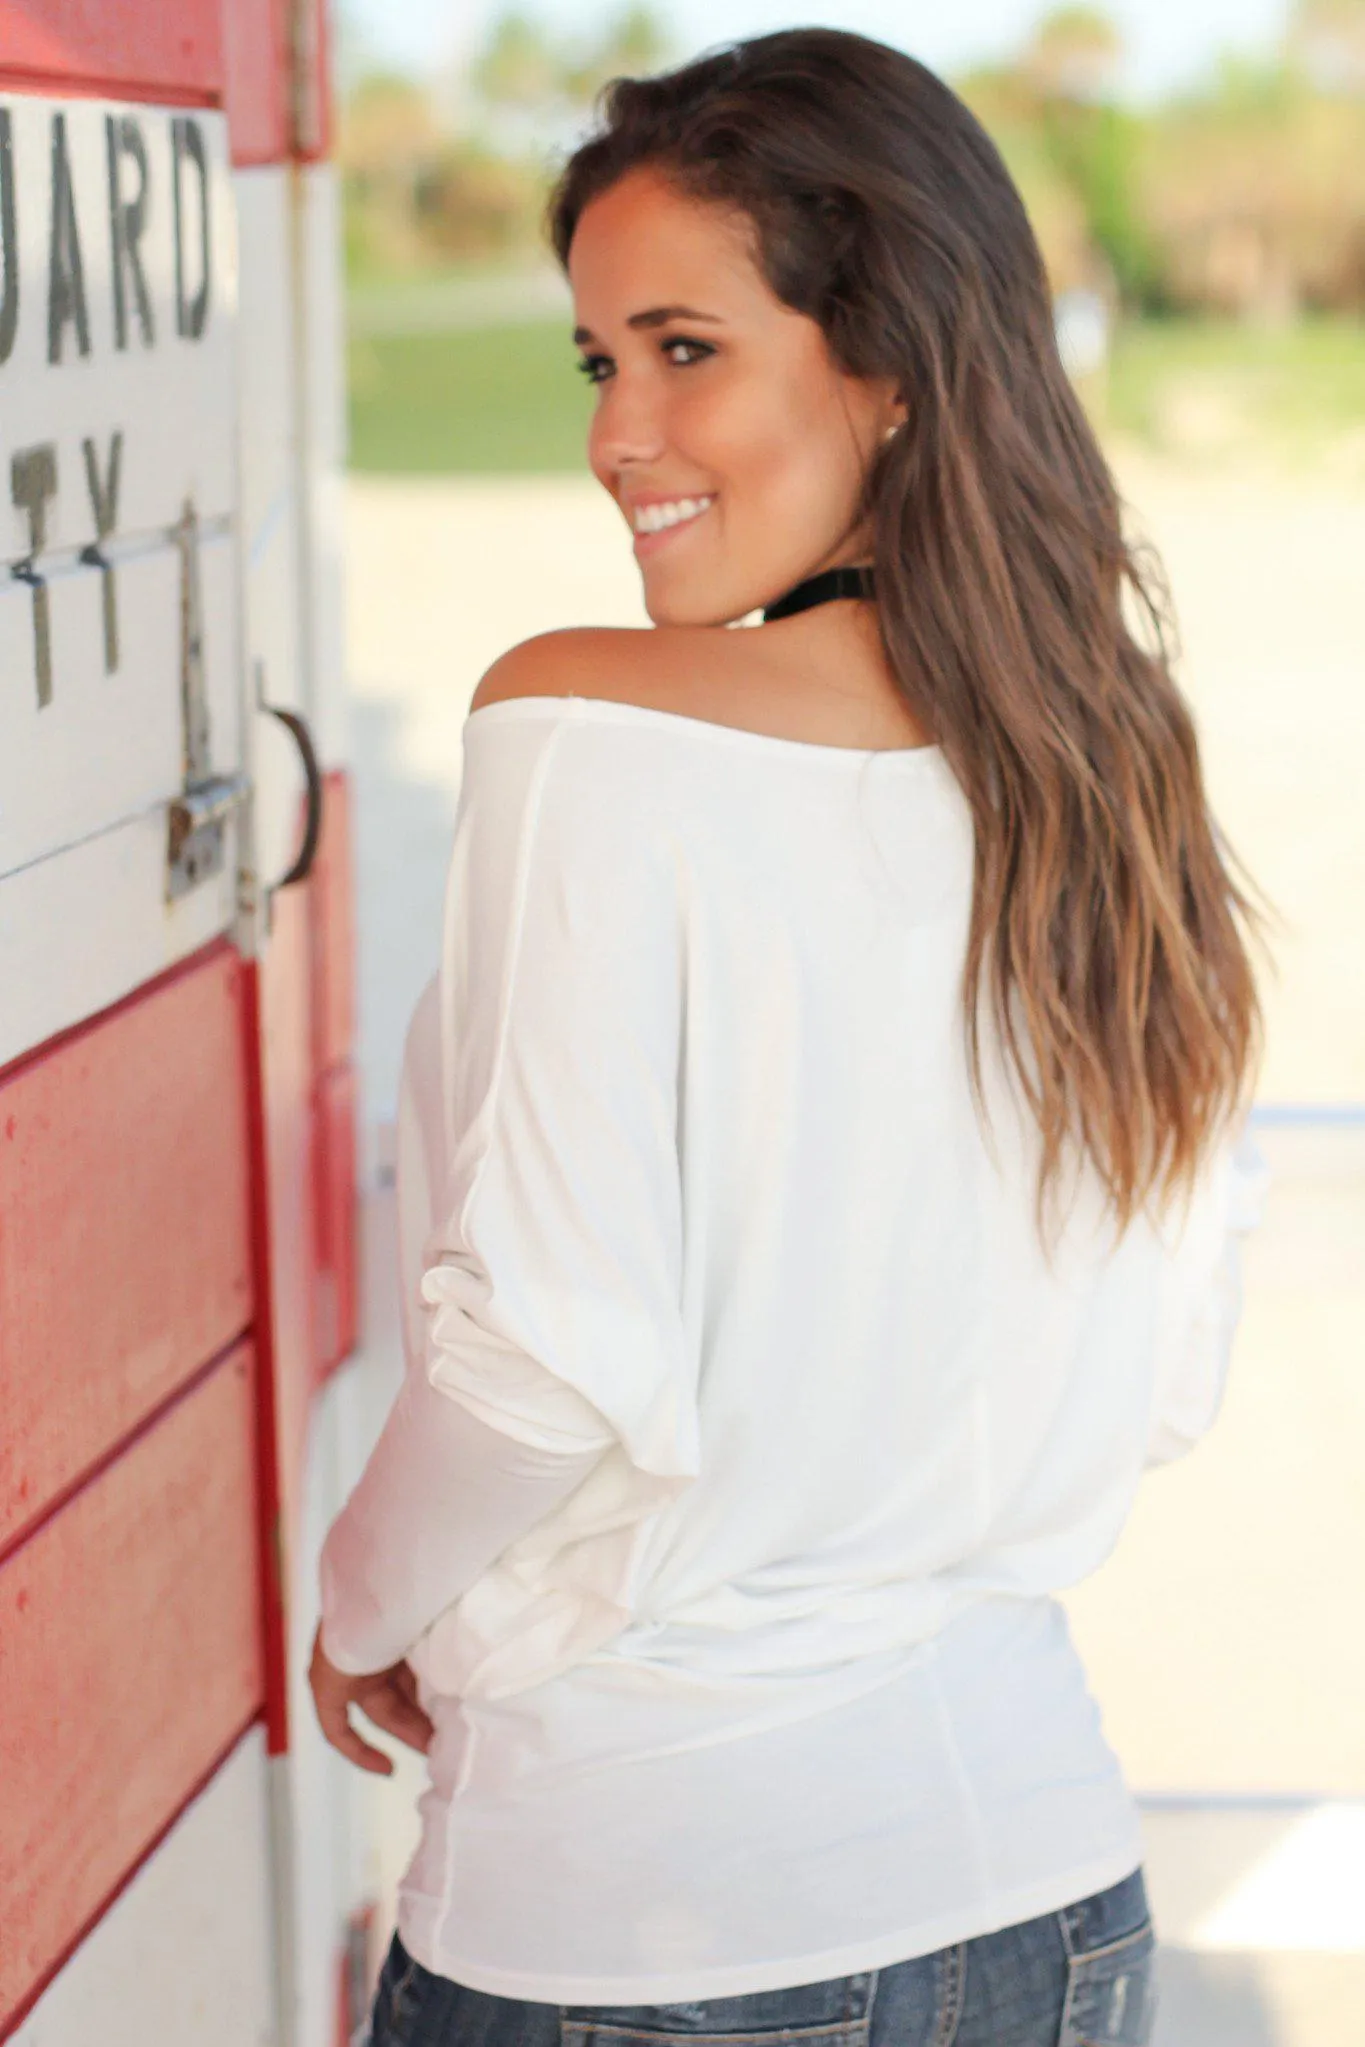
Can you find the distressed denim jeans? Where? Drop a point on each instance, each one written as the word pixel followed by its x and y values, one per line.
pixel 1081 1977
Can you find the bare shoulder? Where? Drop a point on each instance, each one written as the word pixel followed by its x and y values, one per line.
pixel 656 667
pixel 830 687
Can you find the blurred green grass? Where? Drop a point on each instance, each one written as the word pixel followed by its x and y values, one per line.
pixel 1210 387
pixel 506 399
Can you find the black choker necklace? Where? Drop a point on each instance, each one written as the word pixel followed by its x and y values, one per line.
pixel 846 582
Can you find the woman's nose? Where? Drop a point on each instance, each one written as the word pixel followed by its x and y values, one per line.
pixel 627 427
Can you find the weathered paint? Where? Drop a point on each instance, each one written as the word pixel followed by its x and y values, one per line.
pixel 168 53
pixel 132 1665
pixel 197 1903
pixel 124 1252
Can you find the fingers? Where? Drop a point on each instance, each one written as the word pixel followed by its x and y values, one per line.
pixel 389 1705
pixel 334 1720
pixel 405 1677
pixel 332 1693
pixel 388 1698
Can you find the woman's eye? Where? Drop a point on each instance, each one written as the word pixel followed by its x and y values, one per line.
pixel 597 368
pixel 700 348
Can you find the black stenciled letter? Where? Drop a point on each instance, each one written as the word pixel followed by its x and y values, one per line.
pixel 9 276
pixel 187 141
pixel 127 219
pixel 32 482
pixel 65 276
pixel 104 504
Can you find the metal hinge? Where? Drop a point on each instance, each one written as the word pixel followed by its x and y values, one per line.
pixel 196 820
pixel 195 831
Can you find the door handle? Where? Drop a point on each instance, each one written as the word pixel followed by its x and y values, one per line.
pixel 312 824
pixel 297 725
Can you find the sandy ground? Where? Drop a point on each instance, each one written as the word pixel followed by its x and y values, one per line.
pixel 1224 1636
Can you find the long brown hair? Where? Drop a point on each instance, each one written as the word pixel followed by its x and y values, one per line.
pixel 1023 629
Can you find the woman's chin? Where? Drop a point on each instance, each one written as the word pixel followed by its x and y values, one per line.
pixel 680 608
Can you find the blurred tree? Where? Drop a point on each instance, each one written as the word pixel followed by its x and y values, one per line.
pixel 1008 109
pixel 518 66
pixel 1070 72
pixel 1327 42
pixel 631 46
pixel 471 202
pixel 1076 54
pixel 387 136
pixel 1255 191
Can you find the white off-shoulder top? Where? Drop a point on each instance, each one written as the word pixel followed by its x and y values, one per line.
pixel 749 1432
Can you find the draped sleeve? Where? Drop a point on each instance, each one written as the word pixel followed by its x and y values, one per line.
pixel 553 1269
pixel 1204 1304
pixel 540 1214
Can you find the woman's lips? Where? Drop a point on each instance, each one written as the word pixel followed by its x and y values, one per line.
pixel 650 543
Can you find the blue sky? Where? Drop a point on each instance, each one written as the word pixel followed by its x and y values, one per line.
pixel 1169 40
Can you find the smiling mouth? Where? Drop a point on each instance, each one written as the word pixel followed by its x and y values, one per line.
pixel 653 523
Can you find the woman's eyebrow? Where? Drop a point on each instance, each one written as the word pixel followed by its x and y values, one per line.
pixel 657 316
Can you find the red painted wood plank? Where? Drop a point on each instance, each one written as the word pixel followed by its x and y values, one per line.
pixel 333 889
pixel 316 122
pixel 269 120
pixel 132 1658
pixel 170 53
pixel 286 1231
pixel 256 48
pixel 125 1256
pixel 335 1170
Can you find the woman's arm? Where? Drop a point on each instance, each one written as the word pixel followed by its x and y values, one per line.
pixel 441 1497
pixel 1195 1376
pixel 540 1196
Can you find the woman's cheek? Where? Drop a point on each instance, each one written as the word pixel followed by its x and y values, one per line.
pixel 771 463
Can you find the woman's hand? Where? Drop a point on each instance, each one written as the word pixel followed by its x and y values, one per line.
pixel 387 1697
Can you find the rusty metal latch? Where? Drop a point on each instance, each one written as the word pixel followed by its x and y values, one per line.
pixel 196 819
pixel 194 836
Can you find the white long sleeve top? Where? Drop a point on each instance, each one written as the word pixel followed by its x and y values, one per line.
pixel 748 1432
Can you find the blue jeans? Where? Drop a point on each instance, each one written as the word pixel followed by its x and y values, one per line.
pixel 1081 1977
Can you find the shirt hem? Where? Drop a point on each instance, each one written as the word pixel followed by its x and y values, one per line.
pixel 971 1922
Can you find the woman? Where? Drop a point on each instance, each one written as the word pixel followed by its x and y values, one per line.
pixel 820 1156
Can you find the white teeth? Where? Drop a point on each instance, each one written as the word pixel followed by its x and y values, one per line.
pixel 653 518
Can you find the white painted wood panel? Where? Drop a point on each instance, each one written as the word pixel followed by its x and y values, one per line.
pixel 184 1954
pixel 334 1806
pixel 162 374
pixel 272 571
pixel 118 314
pixel 115 415
pixel 81 930
pixel 323 408
pixel 109 746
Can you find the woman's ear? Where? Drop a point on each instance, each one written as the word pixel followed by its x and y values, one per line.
pixel 894 414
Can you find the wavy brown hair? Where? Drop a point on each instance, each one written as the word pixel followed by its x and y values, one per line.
pixel 1026 633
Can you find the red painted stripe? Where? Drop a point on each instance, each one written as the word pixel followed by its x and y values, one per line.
pixel 93 1473
pixel 44 1982
pixel 124 1227
pixel 270 1534
pixel 278 94
pixel 49 85
pixel 333 888
pixel 317 118
pixel 73 1032
pixel 335 1135
pixel 173 53
pixel 257 65
pixel 335 1104
pixel 131 1626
